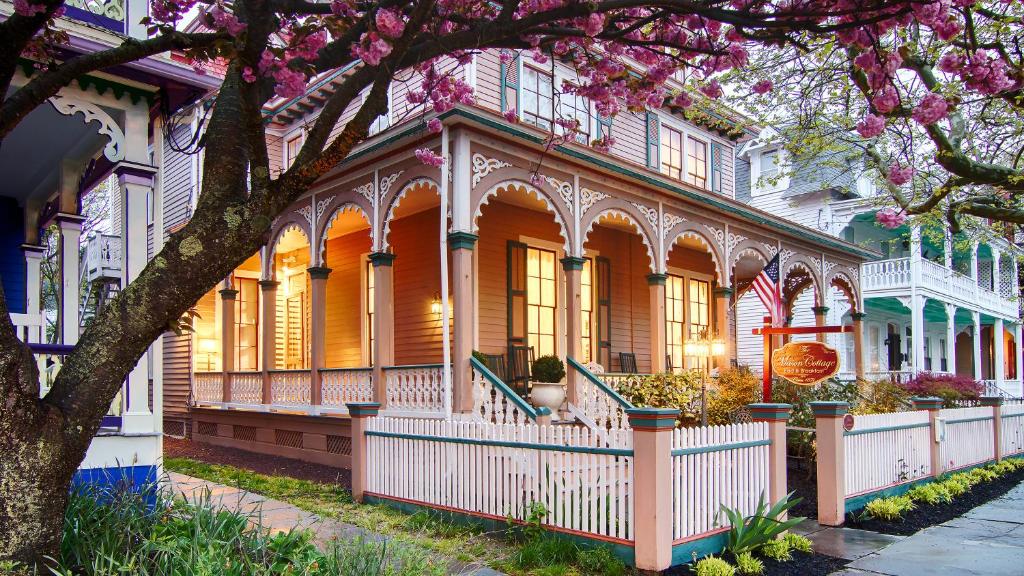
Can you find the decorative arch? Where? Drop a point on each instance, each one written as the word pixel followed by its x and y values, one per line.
pixel 748 247
pixel 637 226
pixel 811 266
pixel 691 229
pixel 843 280
pixel 337 207
pixel 68 106
pixel 535 191
pixel 267 264
pixel 396 199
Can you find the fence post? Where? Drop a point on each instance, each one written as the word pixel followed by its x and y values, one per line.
pixel 831 465
pixel 652 485
pixel 932 405
pixel 776 415
pixel 996 402
pixel 360 413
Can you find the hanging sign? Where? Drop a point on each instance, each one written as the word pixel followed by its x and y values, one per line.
pixel 805 363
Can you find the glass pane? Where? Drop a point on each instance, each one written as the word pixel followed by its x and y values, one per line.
pixel 533 290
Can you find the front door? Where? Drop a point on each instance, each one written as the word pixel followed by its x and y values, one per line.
pixel 894 348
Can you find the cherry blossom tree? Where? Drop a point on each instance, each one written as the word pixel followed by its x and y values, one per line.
pixel 623 51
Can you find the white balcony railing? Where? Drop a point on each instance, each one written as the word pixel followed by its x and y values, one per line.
pixel 102 257
pixel 897 274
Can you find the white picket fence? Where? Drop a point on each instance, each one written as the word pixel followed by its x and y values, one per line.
pixel 1012 439
pixel 884 450
pixel 968 437
pixel 339 386
pixel 714 466
pixel 499 470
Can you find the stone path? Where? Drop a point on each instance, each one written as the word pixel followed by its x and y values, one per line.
pixel 281 516
pixel 988 540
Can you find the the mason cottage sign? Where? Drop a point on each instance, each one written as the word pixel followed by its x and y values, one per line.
pixel 805 363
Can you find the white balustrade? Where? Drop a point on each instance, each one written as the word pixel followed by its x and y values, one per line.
pixel 896 376
pixel 28 327
pixel 207 387
pixel 246 387
pixel 884 450
pixel 339 386
pixel 415 389
pixel 289 388
pixel 102 257
pixel 597 404
pixel 113 9
pixel 886 274
pixel 495 402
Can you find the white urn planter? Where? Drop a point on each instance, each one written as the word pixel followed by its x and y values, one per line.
pixel 548 395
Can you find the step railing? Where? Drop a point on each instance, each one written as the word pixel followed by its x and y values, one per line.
pixel 494 401
pixel 339 386
pixel 415 389
pixel 597 405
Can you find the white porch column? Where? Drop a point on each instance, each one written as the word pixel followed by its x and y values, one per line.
pixel 917 332
pixel 951 338
pixel 974 263
pixel 318 325
pixel 33 288
pixel 136 181
pixel 573 268
pixel 69 289
pixel 998 352
pixel 268 331
pixel 996 257
pixel 656 282
pixel 976 319
pixel 947 250
pixel 383 322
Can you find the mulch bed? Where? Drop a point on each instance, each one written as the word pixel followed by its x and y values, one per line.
pixel 926 515
pixel 801 565
pixel 256 462
pixel 805 484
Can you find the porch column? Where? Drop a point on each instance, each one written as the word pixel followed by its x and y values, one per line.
pixel 947 251
pixel 998 352
pixel 858 344
pixel 657 284
pixel 820 313
pixel 136 182
pixel 996 272
pixel 268 323
pixel 318 325
pixel 69 289
pixel 227 338
pixel 573 266
pixel 723 295
pixel 462 244
pixel 951 338
pixel 33 288
pixel 383 321
pixel 1019 376
pixel 917 332
pixel 976 319
pixel 974 263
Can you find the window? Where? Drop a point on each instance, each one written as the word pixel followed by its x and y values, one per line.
pixel 587 310
pixel 698 293
pixel 675 321
pixel 368 306
pixel 538 102
pixel 291 149
pixel 769 164
pixel 574 107
pixel 296 322
pixel 541 300
pixel 671 152
pixel 696 162
pixel 247 325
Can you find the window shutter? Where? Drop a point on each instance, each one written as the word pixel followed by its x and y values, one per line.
pixel 653 140
pixel 510 82
pixel 516 293
pixel 604 126
pixel 604 312
pixel 716 167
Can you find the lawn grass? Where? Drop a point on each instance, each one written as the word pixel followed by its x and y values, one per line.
pixel 429 531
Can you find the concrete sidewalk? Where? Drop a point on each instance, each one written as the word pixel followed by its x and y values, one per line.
pixel 988 540
pixel 281 516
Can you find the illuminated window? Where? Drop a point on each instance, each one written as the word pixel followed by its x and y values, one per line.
pixel 247 324
pixel 538 99
pixel 700 314
pixel 675 322
pixel 587 310
pixel 696 162
pixel 369 313
pixel 291 149
pixel 671 153
pixel 541 301
pixel 296 323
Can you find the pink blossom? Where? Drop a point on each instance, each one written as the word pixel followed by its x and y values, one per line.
pixel 428 157
pixel 389 22
pixel 224 20
pixel 900 175
pixel 248 75
pixel 871 126
pixel 343 9
pixel 434 125
pixel 371 48
pixel 511 115
pixel 593 25
pixel 25 8
pixel 307 47
pixel 290 83
pixel 932 108
pixel 536 180
pixel 950 62
pixel 683 100
pixel 712 89
pixel 886 100
pixel 890 218
pixel 762 87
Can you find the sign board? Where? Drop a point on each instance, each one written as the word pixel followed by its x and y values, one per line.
pixel 805 363
pixel 848 422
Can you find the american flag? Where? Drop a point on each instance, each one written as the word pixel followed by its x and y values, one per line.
pixel 766 285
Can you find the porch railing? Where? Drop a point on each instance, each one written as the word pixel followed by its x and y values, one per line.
pixel 416 389
pixel 50 358
pixel 598 405
pixel 289 388
pixel 883 274
pixel 28 327
pixel 896 376
pixel 494 401
pixel 246 388
pixel 615 379
pixel 208 388
pixel 339 386
pixel 1007 389
pixel 896 273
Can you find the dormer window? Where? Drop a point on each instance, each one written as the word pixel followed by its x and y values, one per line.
pixel 770 164
pixel 291 148
pixel 767 170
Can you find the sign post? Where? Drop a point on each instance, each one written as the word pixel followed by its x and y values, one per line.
pixel 804 363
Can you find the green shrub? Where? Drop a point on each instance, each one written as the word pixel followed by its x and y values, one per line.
pixel 680 391
pixel 548 369
pixel 799 543
pixel 752 532
pixel 931 493
pixel 777 550
pixel 1003 467
pixel 881 397
pixel 889 509
pixel 957 485
pixel 733 390
pixel 600 561
pixel 480 356
pixel 983 474
pixel 712 566
pixel 747 565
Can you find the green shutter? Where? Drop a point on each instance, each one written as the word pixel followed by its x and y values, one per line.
pixel 716 167
pixel 510 82
pixel 604 312
pixel 653 140
pixel 517 335
pixel 604 126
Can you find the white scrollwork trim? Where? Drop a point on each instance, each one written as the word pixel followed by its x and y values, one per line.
pixel 717 233
pixel 773 249
pixel 113 9
pixel 564 190
pixel 829 266
pixel 366 191
pixel 482 166
pixel 321 205
pixel 589 197
pixel 307 213
pixel 734 240
pixel 669 221
pixel 388 181
pixel 114 150
pixel 650 213
pixel 784 255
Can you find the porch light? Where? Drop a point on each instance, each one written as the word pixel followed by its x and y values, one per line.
pixel 435 304
pixel 208 346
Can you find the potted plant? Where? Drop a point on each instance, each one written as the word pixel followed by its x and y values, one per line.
pixel 546 384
